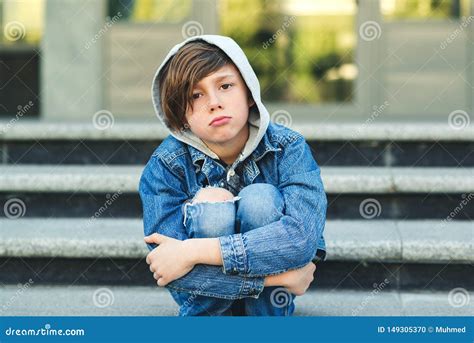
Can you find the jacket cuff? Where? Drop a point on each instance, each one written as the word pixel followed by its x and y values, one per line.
pixel 252 287
pixel 234 259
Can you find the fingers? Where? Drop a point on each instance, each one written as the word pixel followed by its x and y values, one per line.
pixel 158 277
pixel 155 238
pixel 151 238
pixel 161 282
pixel 148 258
pixel 158 239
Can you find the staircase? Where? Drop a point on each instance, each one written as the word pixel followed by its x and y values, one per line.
pixel 399 231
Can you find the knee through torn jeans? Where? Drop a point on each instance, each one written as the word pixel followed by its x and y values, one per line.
pixel 255 206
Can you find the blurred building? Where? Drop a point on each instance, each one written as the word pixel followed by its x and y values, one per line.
pixel 321 60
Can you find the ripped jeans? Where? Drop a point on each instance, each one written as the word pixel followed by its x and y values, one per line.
pixel 255 206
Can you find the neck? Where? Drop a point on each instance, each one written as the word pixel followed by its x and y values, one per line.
pixel 229 150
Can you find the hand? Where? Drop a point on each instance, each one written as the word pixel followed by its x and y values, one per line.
pixel 296 281
pixel 170 260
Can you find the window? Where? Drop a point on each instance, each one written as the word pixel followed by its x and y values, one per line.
pixel 423 9
pixel 22 24
pixel 151 11
pixel 301 50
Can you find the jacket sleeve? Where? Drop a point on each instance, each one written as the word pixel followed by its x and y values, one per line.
pixel 162 195
pixel 290 242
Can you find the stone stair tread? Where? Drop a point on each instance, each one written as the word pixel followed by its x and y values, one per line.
pixel 411 241
pixel 71 300
pixel 312 130
pixel 374 180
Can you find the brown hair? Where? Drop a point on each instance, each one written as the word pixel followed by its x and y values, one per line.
pixel 193 62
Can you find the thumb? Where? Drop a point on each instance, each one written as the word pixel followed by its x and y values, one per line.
pixel 155 238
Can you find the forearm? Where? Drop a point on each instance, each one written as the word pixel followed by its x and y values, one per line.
pixel 275 280
pixel 204 251
pixel 209 281
pixel 207 251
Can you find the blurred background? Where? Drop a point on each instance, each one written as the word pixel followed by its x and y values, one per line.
pixel 382 90
pixel 74 58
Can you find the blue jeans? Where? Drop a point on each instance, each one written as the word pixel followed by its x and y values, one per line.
pixel 255 206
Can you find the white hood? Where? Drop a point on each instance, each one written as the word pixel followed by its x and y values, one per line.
pixel 258 120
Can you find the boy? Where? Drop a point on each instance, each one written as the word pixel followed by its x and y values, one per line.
pixel 233 206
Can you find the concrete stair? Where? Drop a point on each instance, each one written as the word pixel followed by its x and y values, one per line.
pixel 421 144
pixel 79 191
pixel 400 213
pixel 153 301
pixel 347 240
pixel 337 180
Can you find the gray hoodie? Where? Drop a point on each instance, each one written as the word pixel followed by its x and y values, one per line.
pixel 258 120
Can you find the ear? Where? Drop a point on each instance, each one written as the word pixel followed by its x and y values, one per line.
pixel 251 101
pixel 250 98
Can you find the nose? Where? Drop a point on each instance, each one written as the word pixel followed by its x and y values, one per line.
pixel 214 102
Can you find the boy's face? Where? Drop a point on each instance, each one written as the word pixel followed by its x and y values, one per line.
pixel 222 94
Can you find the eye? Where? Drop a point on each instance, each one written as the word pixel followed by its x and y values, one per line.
pixel 227 85
pixel 196 96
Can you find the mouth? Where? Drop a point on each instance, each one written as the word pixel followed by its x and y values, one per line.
pixel 220 121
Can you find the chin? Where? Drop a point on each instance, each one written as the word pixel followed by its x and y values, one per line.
pixel 222 138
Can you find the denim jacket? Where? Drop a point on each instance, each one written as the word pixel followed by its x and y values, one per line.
pixel 176 171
